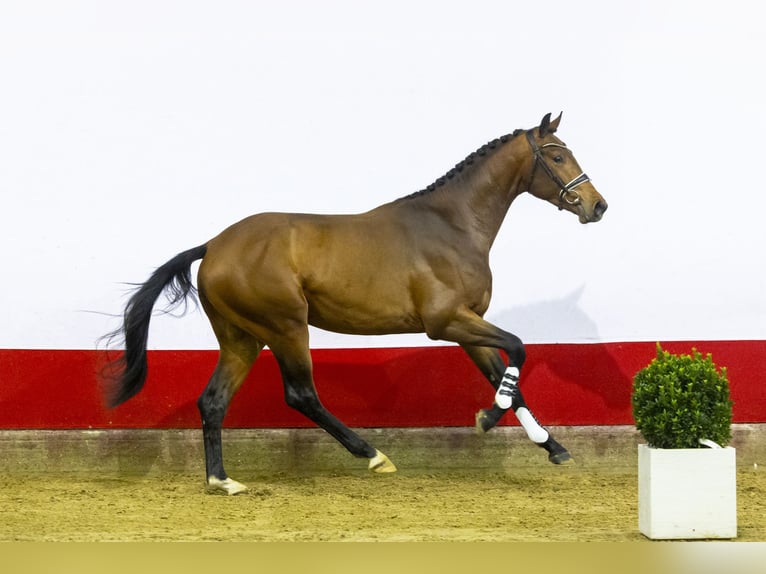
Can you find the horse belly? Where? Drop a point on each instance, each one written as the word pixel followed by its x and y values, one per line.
pixel 351 305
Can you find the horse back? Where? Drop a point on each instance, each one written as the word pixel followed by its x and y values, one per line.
pixel 347 273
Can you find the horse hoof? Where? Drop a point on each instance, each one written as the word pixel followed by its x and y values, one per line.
pixel 483 423
pixel 227 486
pixel 381 463
pixel 561 458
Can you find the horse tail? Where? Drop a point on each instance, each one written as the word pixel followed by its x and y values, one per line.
pixel 127 374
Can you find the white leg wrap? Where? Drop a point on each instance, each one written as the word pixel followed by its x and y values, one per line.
pixel 504 396
pixel 535 432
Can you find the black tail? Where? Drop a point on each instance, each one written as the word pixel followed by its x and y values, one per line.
pixel 128 372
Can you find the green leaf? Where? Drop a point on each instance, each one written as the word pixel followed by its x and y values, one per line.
pixel 678 399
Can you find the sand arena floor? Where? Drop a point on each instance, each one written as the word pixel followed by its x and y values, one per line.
pixel 452 485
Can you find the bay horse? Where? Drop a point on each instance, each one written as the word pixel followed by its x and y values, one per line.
pixel 419 264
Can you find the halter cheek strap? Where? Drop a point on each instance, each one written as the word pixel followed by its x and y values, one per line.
pixel 565 189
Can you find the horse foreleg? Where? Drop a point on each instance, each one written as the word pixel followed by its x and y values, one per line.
pixel 508 397
pixel 492 366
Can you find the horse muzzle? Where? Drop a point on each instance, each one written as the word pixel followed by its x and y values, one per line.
pixel 594 212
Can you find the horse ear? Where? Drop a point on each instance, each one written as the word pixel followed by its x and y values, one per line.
pixel 554 125
pixel 547 126
pixel 546 121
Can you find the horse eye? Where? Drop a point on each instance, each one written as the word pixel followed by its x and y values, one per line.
pixel 558 159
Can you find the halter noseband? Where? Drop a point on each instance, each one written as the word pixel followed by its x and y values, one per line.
pixel 565 189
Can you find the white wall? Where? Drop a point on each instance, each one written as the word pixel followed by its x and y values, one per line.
pixel 130 131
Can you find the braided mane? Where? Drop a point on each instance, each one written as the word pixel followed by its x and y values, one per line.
pixel 466 163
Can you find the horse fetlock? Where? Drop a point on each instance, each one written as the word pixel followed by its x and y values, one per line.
pixel 381 463
pixel 225 486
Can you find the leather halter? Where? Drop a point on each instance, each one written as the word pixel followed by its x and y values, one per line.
pixel 565 189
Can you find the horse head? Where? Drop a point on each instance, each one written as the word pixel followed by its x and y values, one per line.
pixel 558 165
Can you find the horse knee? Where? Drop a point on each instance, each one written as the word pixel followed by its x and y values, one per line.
pixel 517 354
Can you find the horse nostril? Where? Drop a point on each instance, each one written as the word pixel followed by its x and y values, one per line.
pixel 599 209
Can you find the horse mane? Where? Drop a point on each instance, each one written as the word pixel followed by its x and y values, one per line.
pixel 469 161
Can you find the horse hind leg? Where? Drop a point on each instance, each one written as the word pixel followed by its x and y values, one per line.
pixel 295 364
pixel 229 374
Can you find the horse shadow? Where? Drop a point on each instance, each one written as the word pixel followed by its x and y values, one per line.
pixel 594 369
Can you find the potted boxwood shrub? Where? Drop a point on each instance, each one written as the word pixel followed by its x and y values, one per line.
pixel 686 473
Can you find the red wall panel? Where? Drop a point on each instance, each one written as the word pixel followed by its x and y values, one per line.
pixel 564 384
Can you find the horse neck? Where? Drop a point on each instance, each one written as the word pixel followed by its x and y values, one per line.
pixel 477 202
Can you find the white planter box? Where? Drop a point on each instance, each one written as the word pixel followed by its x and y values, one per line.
pixel 687 493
